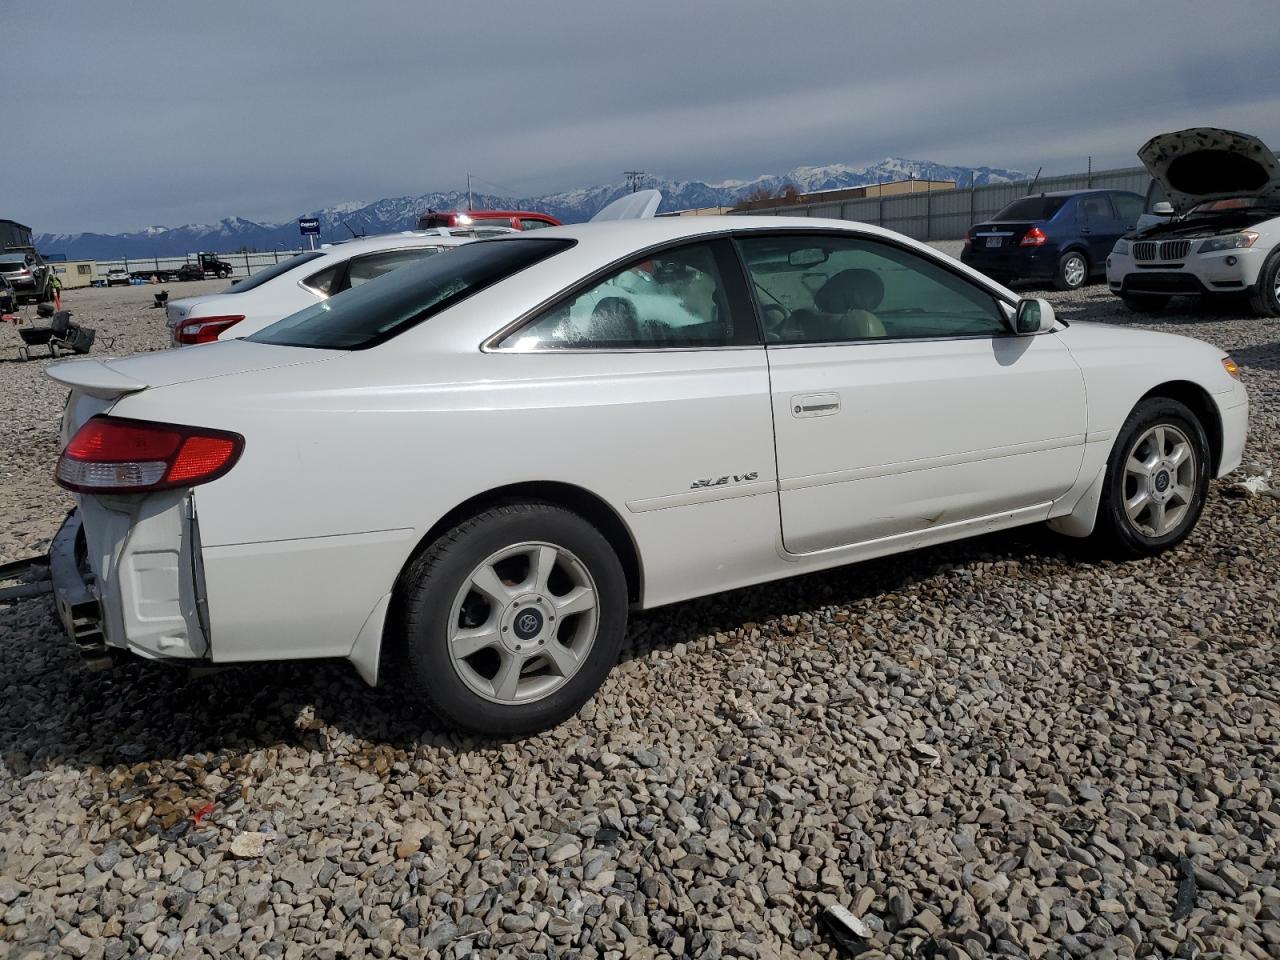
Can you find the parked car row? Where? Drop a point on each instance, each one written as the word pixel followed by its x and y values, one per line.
pixel 1208 226
pixel 465 470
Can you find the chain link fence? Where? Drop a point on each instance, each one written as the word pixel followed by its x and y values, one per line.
pixel 947 214
pixel 242 264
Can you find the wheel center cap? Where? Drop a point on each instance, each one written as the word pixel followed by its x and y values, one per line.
pixel 528 623
pixel 1162 481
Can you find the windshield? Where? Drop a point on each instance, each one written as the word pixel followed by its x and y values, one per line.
pixel 273 271
pixel 1031 208
pixel 380 309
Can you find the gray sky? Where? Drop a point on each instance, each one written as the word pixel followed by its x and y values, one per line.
pixel 162 113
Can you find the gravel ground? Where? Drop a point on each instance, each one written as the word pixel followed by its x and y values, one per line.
pixel 996 748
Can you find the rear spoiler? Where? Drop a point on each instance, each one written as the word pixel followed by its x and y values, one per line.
pixel 93 377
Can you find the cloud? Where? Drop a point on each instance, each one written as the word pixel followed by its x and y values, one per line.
pixel 157 114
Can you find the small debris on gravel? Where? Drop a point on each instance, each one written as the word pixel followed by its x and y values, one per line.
pixel 997 748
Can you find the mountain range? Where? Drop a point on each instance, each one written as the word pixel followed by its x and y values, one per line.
pixel 401 213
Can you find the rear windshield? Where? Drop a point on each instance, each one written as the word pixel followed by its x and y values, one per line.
pixel 273 271
pixel 8 266
pixel 380 309
pixel 1031 208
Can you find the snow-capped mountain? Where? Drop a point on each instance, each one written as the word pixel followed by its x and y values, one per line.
pixel 401 213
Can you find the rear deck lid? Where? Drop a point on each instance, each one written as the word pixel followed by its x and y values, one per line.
pixel 112 377
pixel 1205 163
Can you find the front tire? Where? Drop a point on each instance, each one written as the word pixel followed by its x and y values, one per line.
pixel 513 619
pixel 1156 482
pixel 1073 271
pixel 1145 302
pixel 1265 299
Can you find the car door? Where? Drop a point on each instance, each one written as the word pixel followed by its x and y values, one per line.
pixel 1100 227
pixel 901 401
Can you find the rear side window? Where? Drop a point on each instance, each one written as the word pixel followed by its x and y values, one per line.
pixel 364 269
pixel 1096 208
pixel 380 309
pixel 1031 208
pixel 687 297
pixel 275 270
pixel 1128 207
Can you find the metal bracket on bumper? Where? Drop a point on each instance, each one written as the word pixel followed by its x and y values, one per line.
pixel 74 596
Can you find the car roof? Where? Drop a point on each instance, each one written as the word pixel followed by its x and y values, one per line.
pixel 612 239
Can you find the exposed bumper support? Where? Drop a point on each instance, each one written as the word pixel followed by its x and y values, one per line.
pixel 75 594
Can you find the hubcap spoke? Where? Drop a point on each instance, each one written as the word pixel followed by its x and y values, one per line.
pixel 563 660
pixel 466 642
pixel 1137 467
pixel 1158 523
pixel 1158 438
pixel 1136 504
pixel 507 680
pixel 578 600
pixel 1181 454
pixel 1184 493
pixel 540 567
pixel 486 580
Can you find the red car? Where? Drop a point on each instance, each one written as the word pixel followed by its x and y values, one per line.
pixel 516 219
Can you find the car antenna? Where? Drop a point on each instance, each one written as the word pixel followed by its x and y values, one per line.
pixel 1034 180
pixel 357 236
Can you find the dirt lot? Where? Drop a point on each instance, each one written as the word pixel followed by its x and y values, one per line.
pixel 993 748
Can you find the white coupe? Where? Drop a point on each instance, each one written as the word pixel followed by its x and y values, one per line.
pixel 476 465
pixel 306 278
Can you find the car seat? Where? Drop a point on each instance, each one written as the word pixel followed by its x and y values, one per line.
pixel 614 320
pixel 854 293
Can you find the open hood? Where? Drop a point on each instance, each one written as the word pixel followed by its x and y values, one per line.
pixel 641 205
pixel 1204 163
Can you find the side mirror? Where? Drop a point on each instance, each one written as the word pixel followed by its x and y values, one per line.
pixel 1163 209
pixel 1033 316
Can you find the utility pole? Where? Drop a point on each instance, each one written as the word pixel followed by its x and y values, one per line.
pixel 634 177
pixel 468 190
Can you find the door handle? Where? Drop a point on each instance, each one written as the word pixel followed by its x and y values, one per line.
pixel 815 405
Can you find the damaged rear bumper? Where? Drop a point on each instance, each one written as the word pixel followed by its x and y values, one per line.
pixel 127 578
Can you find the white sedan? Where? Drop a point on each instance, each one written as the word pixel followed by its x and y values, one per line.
pixel 477 465
pixel 304 279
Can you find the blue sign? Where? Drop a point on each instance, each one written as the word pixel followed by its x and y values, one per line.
pixel 309 226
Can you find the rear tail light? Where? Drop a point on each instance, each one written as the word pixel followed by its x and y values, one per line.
pixel 203 329
pixel 118 455
pixel 968 238
pixel 1033 238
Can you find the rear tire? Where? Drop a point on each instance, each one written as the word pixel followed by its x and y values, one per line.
pixel 1265 299
pixel 1073 271
pixel 1156 482
pixel 513 618
pixel 1145 302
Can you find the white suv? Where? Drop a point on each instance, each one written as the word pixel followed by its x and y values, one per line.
pixel 1225 240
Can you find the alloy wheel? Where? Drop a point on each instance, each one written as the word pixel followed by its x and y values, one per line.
pixel 1159 480
pixel 523 623
pixel 1073 271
